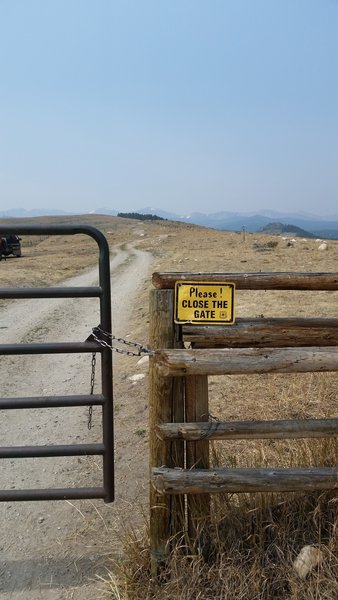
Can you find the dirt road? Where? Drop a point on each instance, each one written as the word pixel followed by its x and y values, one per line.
pixel 55 550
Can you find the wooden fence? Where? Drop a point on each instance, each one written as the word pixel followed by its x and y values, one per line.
pixel 180 430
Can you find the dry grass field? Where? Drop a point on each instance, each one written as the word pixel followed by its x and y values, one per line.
pixel 254 540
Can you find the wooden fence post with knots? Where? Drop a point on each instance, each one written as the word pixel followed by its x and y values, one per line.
pixel 166 404
pixel 180 429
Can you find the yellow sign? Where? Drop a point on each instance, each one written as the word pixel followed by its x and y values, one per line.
pixel 205 303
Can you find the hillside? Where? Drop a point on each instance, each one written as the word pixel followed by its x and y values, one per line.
pixel 280 228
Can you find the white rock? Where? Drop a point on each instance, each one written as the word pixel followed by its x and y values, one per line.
pixel 137 377
pixel 322 246
pixel 308 558
pixel 144 360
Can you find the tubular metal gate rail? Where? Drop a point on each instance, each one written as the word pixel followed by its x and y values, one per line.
pixel 105 399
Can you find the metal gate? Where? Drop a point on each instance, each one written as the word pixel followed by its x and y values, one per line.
pixel 104 399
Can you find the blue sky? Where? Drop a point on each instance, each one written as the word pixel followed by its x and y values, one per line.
pixel 185 105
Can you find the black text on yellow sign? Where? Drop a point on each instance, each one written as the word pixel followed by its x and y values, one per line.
pixel 205 303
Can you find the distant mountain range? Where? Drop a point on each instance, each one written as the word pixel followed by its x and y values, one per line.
pixel 234 221
pixel 326 227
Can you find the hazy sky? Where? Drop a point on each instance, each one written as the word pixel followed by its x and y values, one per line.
pixel 184 105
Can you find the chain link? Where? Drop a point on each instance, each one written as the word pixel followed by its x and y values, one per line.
pixel 92 384
pixel 98 334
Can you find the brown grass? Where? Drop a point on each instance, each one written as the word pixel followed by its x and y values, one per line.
pixel 246 552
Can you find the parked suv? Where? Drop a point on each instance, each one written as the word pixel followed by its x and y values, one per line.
pixel 11 244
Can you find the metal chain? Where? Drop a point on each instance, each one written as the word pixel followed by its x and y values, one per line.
pixel 92 384
pixel 98 334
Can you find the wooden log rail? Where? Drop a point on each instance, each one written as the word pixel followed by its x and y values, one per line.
pixel 254 281
pixel 240 361
pixel 263 332
pixel 234 430
pixel 200 481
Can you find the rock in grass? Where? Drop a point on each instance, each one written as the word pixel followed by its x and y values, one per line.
pixel 137 377
pixel 308 558
pixel 144 360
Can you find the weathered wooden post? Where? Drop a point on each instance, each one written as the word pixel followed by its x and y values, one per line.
pixel 197 452
pixel 166 405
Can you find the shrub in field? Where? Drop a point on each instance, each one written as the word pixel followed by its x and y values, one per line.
pixel 266 246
